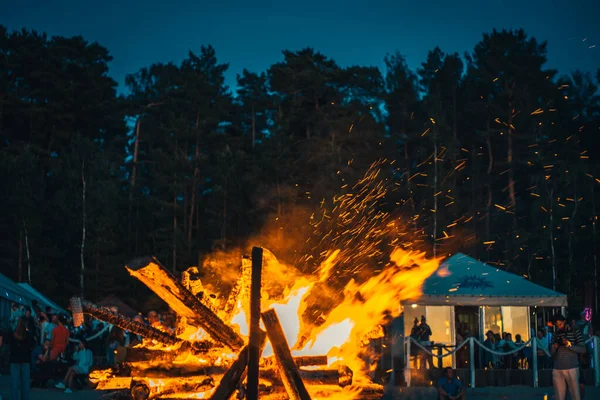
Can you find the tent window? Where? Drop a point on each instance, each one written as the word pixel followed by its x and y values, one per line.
pixel 410 313
pixel 516 321
pixel 493 320
pixel 438 318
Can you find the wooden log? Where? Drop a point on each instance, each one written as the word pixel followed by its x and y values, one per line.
pixel 79 305
pixel 174 371
pixel 254 328
pixel 288 370
pixel 150 272
pixel 234 375
pixel 332 376
pixel 301 361
pixel 240 291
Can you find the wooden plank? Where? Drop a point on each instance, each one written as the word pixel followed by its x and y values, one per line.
pixel 254 340
pixel 301 361
pixel 235 374
pixel 151 273
pixel 288 369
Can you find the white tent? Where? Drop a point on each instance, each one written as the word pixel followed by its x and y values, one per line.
pixel 42 300
pixel 462 280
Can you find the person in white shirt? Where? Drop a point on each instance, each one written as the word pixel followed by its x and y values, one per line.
pixel 83 361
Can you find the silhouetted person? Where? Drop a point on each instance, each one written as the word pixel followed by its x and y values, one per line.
pixel 20 345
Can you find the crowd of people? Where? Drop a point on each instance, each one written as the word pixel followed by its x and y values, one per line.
pixel 43 346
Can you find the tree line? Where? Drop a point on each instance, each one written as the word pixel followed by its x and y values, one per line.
pixel 490 153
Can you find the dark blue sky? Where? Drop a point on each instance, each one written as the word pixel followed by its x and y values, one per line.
pixel 251 34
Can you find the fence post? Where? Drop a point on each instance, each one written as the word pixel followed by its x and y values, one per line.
pixel 472 360
pixel 596 342
pixel 534 360
pixel 407 374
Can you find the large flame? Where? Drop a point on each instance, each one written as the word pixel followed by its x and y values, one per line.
pixel 358 266
pixel 365 307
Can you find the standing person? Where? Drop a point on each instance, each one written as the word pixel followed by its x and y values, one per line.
pixel 60 339
pixel 489 360
pixel 20 345
pixel 30 323
pixel 567 344
pixel 15 314
pixel 424 339
pixel 49 327
pixel 542 349
pixel 84 359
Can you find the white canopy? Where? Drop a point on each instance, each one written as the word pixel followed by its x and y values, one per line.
pixel 462 280
pixel 41 299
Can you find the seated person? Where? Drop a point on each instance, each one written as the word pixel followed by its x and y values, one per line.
pixel 39 355
pixel 83 361
pixel 450 387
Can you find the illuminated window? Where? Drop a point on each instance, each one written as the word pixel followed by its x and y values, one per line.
pixel 516 321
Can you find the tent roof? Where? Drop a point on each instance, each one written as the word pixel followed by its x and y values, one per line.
pixel 462 280
pixel 41 299
pixel 13 292
pixel 113 300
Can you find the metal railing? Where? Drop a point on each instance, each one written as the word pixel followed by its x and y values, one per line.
pixel 471 342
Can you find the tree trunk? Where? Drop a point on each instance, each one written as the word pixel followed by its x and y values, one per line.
pixel 20 262
pixel 224 226
pixel 594 246
pixel 253 126
pixel 174 266
pixel 82 250
pixel 552 251
pixel 435 191
pixel 571 236
pixel 132 178
pixel 27 252
pixel 194 182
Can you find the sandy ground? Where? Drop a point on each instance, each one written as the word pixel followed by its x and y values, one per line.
pixel 416 393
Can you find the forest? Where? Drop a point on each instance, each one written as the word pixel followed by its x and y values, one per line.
pixel 489 153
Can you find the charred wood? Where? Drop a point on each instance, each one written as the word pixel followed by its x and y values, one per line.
pixel 288 369
pixel 150 272
pixel 234 376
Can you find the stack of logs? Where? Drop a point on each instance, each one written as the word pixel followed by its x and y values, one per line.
pixel 144 367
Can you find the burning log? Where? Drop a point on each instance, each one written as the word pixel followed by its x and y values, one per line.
pixel 300 361
pixel 80 306
pixel 150 272
pixel 339 377
pixel 254 350
pixel 240 293
pixel 232 378
pixel 288 370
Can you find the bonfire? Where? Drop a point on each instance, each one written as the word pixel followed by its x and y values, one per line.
pixel 278 332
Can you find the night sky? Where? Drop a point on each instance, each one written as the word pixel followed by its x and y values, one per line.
pixel 251 34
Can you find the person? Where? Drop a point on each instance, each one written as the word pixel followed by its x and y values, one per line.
pixel 489 360
pixel 153 319
pixel 15 314
pixel 84 359
pixel 424 339
pixel 49 327
pixel 39 354
pixel 542 349
pixel 567 344
pixel 450 387
pixel 20 345
pixel 133 338
pixel 30 323
pixel 59 340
